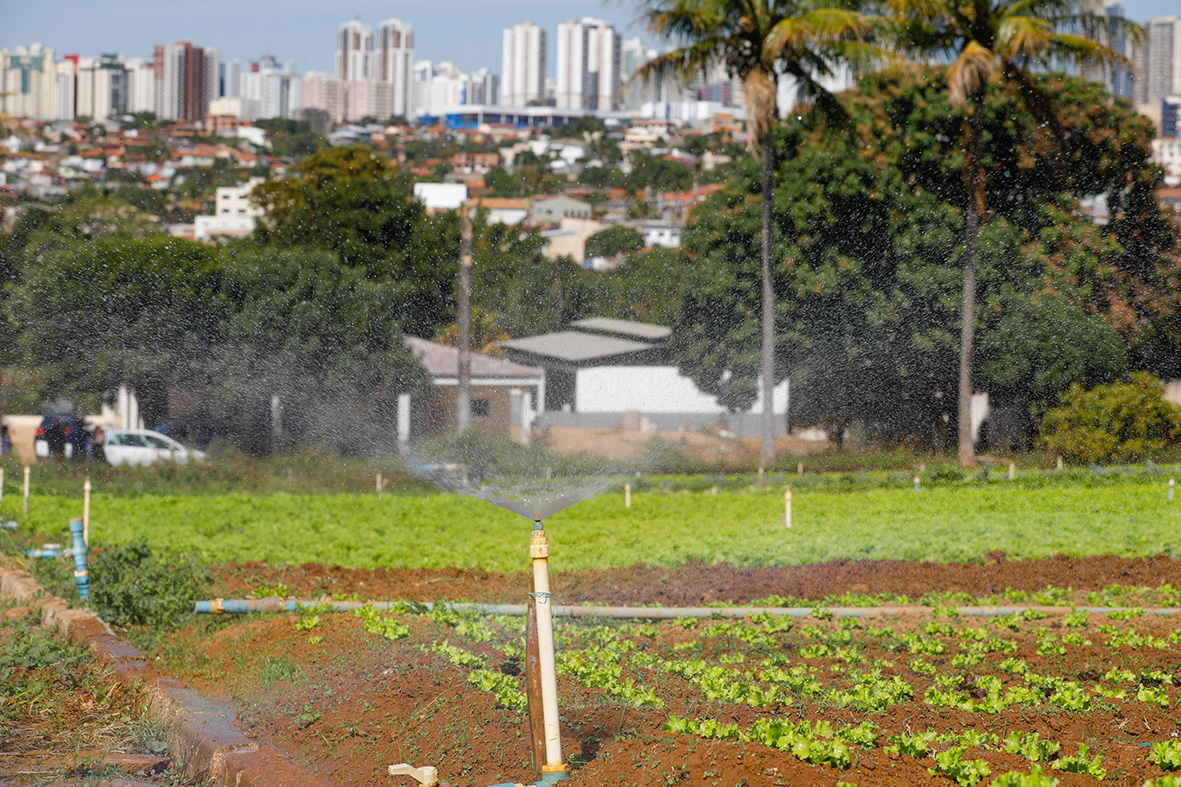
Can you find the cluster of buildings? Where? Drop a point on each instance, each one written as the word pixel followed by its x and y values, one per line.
pixel 375 76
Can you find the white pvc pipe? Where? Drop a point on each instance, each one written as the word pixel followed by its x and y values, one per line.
pixel 86 512
pixel 539 552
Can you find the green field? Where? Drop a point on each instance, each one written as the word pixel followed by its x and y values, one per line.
pixel 957 522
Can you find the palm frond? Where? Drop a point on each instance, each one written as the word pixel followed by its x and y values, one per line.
pixel 1023 37
pixel 971 71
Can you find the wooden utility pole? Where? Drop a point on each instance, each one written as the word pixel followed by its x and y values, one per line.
pixel 463 396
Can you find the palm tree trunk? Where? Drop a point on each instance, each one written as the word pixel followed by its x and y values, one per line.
pixel 975 208
pixel 767 454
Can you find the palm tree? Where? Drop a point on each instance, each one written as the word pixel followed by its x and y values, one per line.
pixel 757 41
pixel 998 41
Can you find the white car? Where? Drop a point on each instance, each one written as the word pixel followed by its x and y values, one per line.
pixel 143 447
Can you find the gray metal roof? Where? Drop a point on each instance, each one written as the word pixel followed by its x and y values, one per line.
pixel 636 330
pixel 441 360
pixel 575 346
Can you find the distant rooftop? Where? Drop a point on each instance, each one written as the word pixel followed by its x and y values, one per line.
pixel 441 360
pixel 575 346
pixel 636 330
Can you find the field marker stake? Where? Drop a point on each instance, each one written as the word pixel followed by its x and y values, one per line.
pixel 800 469
pixel 1171 483
pixel 1012 471
pixel 26 490
pixel 86 512
pixel 1059 464
pixel 760 476
pixel 380 483
pixel 627 495
pixel 916 483
pixel 713 490
pixel 787 507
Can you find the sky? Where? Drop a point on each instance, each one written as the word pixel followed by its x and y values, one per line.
pixel 466 32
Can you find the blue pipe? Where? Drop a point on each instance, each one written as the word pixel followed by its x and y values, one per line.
pixel 236 606
pixel 46 552
pixel 81 575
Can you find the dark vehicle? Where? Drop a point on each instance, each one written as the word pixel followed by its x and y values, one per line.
pixel 198 432
pixel 77 436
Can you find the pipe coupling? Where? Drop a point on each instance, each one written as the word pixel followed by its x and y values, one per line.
pixel 538 545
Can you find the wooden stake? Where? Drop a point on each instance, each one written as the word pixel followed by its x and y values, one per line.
pixel 380 483
pixel 1059 464
pixel 26 490
pixel 1012 471
pixel 760 476
pixel 533 692
pixel 86 512
pixel 800 469
pixel 916 483
pixel 627 495
pixel 787 508
pixel 1 484
pixel 1171 483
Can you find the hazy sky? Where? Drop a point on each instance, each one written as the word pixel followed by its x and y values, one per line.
pixel 467 32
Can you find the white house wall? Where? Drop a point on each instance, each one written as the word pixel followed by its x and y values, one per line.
pixel 653 390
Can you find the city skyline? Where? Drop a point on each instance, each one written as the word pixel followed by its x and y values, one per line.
pixel 465 32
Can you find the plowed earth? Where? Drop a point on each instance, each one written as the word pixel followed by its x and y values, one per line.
pixel 350 702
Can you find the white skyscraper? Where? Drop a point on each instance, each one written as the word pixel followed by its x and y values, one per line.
pixel 1160 60
pixel 588 65
pixel 634 53
pixel 354 52
pixel 523 66
pixel 393 61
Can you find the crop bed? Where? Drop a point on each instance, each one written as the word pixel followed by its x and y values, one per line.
pixel 915 698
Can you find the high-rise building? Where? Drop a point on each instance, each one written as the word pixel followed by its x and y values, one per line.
pixel 354 52
pixel 523 65
pixel 1116 78
pixel 1162 67
pixel 187 78
pixel 324 93
pixel 270 90
pixel 588 65
pixel 141 85
pixel 393 61
pixel 28 81
pixel 633 54
pixel 102 88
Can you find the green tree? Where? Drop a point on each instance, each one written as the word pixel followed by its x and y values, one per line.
pixel 756 40
pixel 659 174
pixel 867 303
pixel 346 199
pixel 997 41
pixel 614 241
pixel 1119 422
pixel 319 336
pixel 137 311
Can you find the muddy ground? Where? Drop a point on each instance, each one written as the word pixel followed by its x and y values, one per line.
pixel 697 583
pixel 349 703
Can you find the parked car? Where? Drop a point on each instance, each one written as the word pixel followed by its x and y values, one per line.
pixel 144 447
pixel 76 436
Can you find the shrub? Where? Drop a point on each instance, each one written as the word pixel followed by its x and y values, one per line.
pixel 1120 422
pixel 133 585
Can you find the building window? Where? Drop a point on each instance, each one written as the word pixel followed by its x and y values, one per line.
pixel 481 408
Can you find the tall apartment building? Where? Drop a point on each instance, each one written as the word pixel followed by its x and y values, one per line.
pixel 522 77
pixel 354 52
pixel 634 53
pixel 1118 80
pixel 324 93
pixel 271 90
pixel 28 81
pixel 188 78
pixel 588 65
pixel 393 62
pixel 1160 60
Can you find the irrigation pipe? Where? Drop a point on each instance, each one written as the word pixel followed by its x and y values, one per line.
pixel 220 606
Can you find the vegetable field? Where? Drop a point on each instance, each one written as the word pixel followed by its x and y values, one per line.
pixel 1022 699
pixel 957 522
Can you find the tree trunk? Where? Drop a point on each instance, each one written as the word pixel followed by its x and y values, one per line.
pixel 767 454
pixel 975 209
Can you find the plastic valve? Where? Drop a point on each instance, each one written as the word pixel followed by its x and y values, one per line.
pixel 427 775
